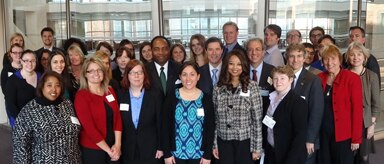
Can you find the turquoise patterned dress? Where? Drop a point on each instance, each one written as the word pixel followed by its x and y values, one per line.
pixel 189 128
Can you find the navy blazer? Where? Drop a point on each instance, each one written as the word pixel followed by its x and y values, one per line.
pixel 205 81
pixel 289 130
pixel 172 76
pixel 309 87
pixel 147 135
pixel 168 130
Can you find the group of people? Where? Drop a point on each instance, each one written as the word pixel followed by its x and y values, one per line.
pixel 224 104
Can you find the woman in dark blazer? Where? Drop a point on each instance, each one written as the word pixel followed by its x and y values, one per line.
pixel 284 141
pixel 188 121
pixel 140 109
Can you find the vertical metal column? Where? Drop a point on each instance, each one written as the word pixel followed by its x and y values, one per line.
pixel 359 11
pixel 266 13
pixel 68 17
pixel 161 17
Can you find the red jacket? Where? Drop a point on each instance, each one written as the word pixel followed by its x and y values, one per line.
pixel 347 99
pixel 92 116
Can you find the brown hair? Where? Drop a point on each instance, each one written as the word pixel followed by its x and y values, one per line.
pixel 125 84
pixel 201 39
pixel 102 55
pixel 295 47
pixel 286 70
pixel 120 51
pixel 331 50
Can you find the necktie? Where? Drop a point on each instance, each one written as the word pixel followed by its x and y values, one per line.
pixel 294 82
pixel 254 75
pixel 163 80
pixel 214 76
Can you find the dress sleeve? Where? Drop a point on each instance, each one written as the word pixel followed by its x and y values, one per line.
pixel 256 114
pixel 22 137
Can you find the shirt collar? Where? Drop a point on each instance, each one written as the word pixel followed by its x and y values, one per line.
pixel 231 46
pixel 140 96
pixel 158 66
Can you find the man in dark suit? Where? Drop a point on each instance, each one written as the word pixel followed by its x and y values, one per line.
pixel 209 73
pixel 47 36
pixel 259 70
pixel 309 87
pixel 162 71
pixel 230 34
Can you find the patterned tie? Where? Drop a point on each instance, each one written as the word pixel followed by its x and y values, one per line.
pixel 254 75
pixel 293 82
pixel 214 76
pixel 163 80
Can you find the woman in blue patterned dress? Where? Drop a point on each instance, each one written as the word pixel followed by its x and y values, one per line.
pixel 188 125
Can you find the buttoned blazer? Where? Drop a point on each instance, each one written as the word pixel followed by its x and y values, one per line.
pixel 205 81
pixel 308 86
pixel 172 76
pixel 289 130
pixel 347 104
pixel 264 85
pixel 147 134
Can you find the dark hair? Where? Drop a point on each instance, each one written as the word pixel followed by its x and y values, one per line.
pixel 28 51
pixel 43 80
pixel 65 74
pixel 10 51
pixel 47 29
pixel 189 63
pixel 39 66
pixel 142 45
pixel 212 40
pixel 120 52
pixel 106 45
pixel 317 28
pixel 327 37
pixel 357 27
pixel 125 42
pixel 308 45
pixel 81 44
pixel 275 28
pixel 160 37
pixel 125 84
pixel 182 49
pixel 225 78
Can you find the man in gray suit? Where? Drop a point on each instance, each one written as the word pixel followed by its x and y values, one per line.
pixel 309 87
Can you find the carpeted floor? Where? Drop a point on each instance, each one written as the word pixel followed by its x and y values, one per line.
pixel 6 148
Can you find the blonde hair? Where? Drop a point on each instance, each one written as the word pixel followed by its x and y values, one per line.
pixel 359 46
pixel 77 49
pixel 102 55
pixel 84 71
pixel 16 34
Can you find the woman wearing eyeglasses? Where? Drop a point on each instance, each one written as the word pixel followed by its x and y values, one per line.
pixel 140 109
pixel 21 86
pixel 9 69
pixel 98 112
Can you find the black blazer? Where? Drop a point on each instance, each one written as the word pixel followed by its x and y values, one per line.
pixel 205 81
pixel 172 76
pixel 264 85
pixel 237 47
pixel 289 130
pixel 168 135
pixel 309 87
pixel 147 135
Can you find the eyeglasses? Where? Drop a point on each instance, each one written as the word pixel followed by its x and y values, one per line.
pixel 93 71
pixel 17 53
pixel 29 61
pixel 136 73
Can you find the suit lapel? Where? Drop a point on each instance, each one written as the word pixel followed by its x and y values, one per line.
pixel 155 76
pixel 301 81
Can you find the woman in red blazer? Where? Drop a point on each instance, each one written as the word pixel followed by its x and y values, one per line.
pixel 342 123
pixel 98 112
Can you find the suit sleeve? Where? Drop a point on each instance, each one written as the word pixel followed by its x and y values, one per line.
pixel 356 100
pixel 11 96
pixel 375 95
pixel 316 107
pixel 158 108
pixel 299 114
pixel 209 128
pixel 83 112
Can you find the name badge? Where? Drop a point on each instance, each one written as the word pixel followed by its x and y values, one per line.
pixel 264 92
pixel 200 112
pixel 124 107
pixel 74 120
pixel 270 81
pixel 110 98
pixel 10 74
pixel 303 97
pixel 245 94
pixel 268 121
pixel 178 81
